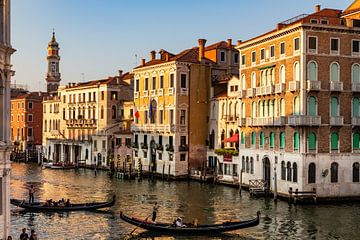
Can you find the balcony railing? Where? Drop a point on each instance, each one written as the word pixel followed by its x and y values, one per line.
pixel 136 94
pixel 260 91
pixel 242 94
pixel 355 121
pixel 337 121
pixel 313 85
pixel 336 86
pixel 241 121
pixel 269 89
pixel 145 93
pixel 152 92
pixel 163 128
pixel 249 121
pixel 231 118
pixel 279 121
pixel 183 91
pixel 280 87
pixel 171 91
pixel 304 120
pixel 294 86
pixel 160 92
pixel 355 87
pixel 250 92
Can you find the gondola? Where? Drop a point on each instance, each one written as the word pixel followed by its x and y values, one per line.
pixel 199 229
pixel 41 207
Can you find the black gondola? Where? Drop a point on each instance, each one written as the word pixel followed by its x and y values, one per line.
pixel 199 229
pixel 42 207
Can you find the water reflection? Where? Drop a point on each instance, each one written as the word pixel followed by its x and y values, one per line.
pixel 207 203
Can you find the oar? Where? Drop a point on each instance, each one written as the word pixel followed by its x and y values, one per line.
pixel 139 224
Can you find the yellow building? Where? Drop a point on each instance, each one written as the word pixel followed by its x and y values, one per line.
pixel 171 96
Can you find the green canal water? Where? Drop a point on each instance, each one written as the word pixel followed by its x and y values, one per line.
pixel 208 203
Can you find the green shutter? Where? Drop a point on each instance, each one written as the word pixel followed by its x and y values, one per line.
pixel 242 138
pixel 334 141
pixel 334 72
pixel 262 139
pixel 312 71
pixel 356 73
pixel 282 140
pixel 334 107
pixel 272 139
pixel 355 107
pixel 356 137
pixel 253 136
pixel 312 106
pixel 312 141
pixel 296 141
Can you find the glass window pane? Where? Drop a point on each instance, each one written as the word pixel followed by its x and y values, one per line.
pixel 334 141
pixel 356 73
pixel 312 71
pixel 334 72
pixel 356 140
pixel 355 107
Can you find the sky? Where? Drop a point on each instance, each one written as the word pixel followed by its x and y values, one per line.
pixel 99 37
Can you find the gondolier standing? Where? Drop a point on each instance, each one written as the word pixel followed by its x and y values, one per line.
pixel 154 212
pixel 31 194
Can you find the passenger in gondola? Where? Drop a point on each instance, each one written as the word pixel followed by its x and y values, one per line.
pixel 179 222
pixel 67 204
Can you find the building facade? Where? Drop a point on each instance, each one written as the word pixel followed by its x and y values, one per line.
pixel 79 121
pixel 171 96
pixel 298 84
pixel 5 141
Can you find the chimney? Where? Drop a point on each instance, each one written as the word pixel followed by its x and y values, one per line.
pixel 152 55
pixel 317 8
pixel 143 62
pixel 120 73
pixel 201 49
pixel 279 26
pixel 239 42
pixel 229 44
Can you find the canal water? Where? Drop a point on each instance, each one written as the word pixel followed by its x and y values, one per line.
pixel 208 203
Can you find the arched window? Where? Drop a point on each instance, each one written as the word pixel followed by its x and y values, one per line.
pixel 45 126
pixel 213 113
pixel 283 171
pixel 253 138
pixel 356 172
pixel 276 112
pixel 243 163
pixel 262 139
pixel 243 110
pixel 312 106
pixel 288 171
pixel 334 107
pixel 296 106
pixel 272 139
pixel 312 173
pixel 282 74
pixel 86 153
pixel 355 76
pixel 296 141
pixel 222 138
pixel 271 108
pixel 334 72
pixel 355 141
pixel 242 138
pixel 247 165
pixel 312 141
pixel 253 80
pixel 230 110
pixel 294 172
pixel 312 71
pixel 253 110
pixel 282 107
pixel 272 76
pixel 334 141
pixel 235 110
pixel 260 109
pixel 223 113
pixel 251 165
pixel 334 170
pixel 355 107
pixel 282 140
pixel 296 71
pixel 266 108
pixel 113 112
pixel 243 82
pixel 212 140
pixel 263 78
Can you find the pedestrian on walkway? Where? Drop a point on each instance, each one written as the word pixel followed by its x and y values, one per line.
pixel 33 235
pixel 24 235
pixel 31 194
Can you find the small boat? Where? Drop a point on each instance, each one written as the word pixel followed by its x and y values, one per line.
pixel 190 229
pixel 58 165
pixel 42 207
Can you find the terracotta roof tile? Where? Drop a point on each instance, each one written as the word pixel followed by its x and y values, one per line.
pixel 221 45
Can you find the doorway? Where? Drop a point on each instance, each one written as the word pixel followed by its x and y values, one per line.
pixel 266 177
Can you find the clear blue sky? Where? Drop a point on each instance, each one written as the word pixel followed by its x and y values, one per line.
pixel 98 37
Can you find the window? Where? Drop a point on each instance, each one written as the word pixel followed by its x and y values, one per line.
pixel 161 82
pixel 262 139
pixel 102 95
pixel 282 140
pixel 272 51
pixel 171 118
pixel 253 138
pixel 161 116
pixel 356 23
pixel 355 141
pixel 236 58
pixel 183 157
pixel 243 60
pixel 253 57
pixel 30 105
pixel 262 54
pixel 282 74
pixel 283 171
pixel 183 80
pixel 95 144
pixel 118 141
pixel 296 71
pixel 146 84
pixel 314 21
pixel 312 173
pixel 355 107
pixel 103 144
pixel 334 107
pixel 312 106
pixel 288 171
pixel 356 172
pixel 247 165
pixel 102 112
pixel 296 141
pixel 30 132
pixel 334 45
pixel 356 47
pixel 251 165
pixel 137 85
pixel 94 96
pixel 334 169
pixel 312 44
pixel 324 21
pixel 355 76
pixel 113 112
pixel 183 117
pixel 296 106
pixel 272 139
pixel 222 56
pixel 153 83
pixel 334 141
pixel 312 71
pixel 312 141
pixel 30 118
pixel 294 172
pixel 282 48
pixel 242 138
pixel 296 44
pixel 171 84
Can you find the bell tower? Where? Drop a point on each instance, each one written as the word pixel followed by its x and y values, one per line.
pixel 53 73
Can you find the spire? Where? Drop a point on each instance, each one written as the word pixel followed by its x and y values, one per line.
pixel 53 36
pixel 53 39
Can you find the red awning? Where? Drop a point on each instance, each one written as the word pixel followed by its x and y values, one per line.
pixel 233 139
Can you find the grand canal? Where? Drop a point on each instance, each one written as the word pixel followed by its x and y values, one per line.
pixel 207 203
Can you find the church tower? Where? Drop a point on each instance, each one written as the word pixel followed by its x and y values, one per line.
pixel 53 73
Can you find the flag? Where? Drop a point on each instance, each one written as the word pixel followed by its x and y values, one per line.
pixel 150 110
pixel 136 112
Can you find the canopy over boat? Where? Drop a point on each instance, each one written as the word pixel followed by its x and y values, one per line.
pixel 190 229
pixel 42 207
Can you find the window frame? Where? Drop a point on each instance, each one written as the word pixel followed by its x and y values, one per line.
pixel 335 52
pixel 282 46
pixel 311 50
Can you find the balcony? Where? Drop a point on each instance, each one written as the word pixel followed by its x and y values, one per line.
pixel 136 94
pixel 269 89
pixel 336 86
pixel 159 147
pixel 313 85
pixel 160 92
pixel 250 92
pixel 162 128
pixel 169 148
pixel 135 145
pixel 249 121
pixel 280 87
pixel 81 123
pixel 355 121
pixel 241 122
pixel 260 91
pixel 355 87
pixel 304 120
pixel 145 93
pixel 144 146
pixel 152 92
pixel 171 91
pixel 337 121
pixel 183 91
pixel 279 121
pixel 294 86
pixel 242 94
pixel 231 118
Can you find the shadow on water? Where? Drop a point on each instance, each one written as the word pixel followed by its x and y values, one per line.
pixel 158 236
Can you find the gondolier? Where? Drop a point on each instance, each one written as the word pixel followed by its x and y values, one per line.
pixel 31 194
pixel 154 212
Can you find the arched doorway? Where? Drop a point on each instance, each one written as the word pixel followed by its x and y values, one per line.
pixel 153 155
pixel 266 171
